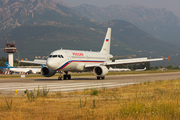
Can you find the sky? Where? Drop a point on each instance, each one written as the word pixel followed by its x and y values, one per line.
pixel 172 5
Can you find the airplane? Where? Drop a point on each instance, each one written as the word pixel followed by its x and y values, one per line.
pixel 4 68
pixel 118 69
pixel 25 70
pixel 141 69
pixel 162 69
pixel 83 61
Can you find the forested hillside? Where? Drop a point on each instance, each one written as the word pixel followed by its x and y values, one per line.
pixel 39 27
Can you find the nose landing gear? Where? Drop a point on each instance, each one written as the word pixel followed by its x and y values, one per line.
pixel 60 76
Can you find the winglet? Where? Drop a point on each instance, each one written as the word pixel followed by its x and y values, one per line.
pixel 22 59
pixel 167 58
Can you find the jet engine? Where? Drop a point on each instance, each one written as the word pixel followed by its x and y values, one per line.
pixel 100 71
pixel 46 72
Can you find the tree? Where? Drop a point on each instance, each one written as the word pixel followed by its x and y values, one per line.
pixel 170 67
pixel 3 64
pixel 3 59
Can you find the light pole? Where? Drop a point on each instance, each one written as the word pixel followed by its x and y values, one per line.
pixel 18 59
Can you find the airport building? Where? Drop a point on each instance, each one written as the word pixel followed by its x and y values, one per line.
pixel 10 49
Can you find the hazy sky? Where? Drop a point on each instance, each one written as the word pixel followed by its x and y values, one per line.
pixel 172 5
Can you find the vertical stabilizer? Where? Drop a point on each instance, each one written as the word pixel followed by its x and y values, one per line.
pixel 107 41
pixel 8 65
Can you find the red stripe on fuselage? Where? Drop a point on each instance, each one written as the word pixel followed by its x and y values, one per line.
pixel 79 61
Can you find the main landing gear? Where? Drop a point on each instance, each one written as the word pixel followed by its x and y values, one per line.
pixel 66 76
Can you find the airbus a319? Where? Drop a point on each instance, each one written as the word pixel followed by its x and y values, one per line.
pixel 83 61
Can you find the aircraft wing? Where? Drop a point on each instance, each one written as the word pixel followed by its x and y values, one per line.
pixel 124 62
pixel 116 57
pixel 39 62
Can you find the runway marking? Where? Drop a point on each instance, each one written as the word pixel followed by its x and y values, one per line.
pixel 6 87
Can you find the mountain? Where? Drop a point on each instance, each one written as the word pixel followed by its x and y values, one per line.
pixel 127 39
pixel 15 13
pixel 159 22
pixel 41 26
pixel 137 39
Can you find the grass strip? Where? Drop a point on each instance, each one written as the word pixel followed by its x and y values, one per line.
pixel 149 100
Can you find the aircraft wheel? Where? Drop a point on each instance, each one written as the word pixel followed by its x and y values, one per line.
pixel 60 78
pixel 69 77
pixel 102 78
pixel 64 77
pixel 98 78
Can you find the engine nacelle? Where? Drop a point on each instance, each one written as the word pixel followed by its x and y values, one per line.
pixel 46 72
pixel 100 71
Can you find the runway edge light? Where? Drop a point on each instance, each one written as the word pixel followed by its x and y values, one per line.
pixel 15 91
pixel 25 93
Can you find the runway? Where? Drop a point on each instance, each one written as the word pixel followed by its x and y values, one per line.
pixel 7 86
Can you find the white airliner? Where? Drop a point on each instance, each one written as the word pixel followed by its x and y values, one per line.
pixel 141 69
pixel 118 69
pixel 82 61
pixel 24 70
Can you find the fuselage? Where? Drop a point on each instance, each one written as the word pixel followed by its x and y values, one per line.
pixel 33 70
pixel 118 69
pixel 141 69
pixel 74 60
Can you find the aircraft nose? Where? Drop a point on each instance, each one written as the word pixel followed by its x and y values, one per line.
pixel 51 64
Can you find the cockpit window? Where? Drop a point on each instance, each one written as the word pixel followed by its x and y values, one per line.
pixel 50 56
pixel 60 56
pixel 55 56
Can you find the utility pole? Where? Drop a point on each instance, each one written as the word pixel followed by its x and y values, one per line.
pixel 18 59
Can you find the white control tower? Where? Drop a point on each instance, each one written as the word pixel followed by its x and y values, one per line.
pixel 10 49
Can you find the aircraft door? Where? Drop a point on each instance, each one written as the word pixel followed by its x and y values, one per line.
pixel 68 55
pixel 87 57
